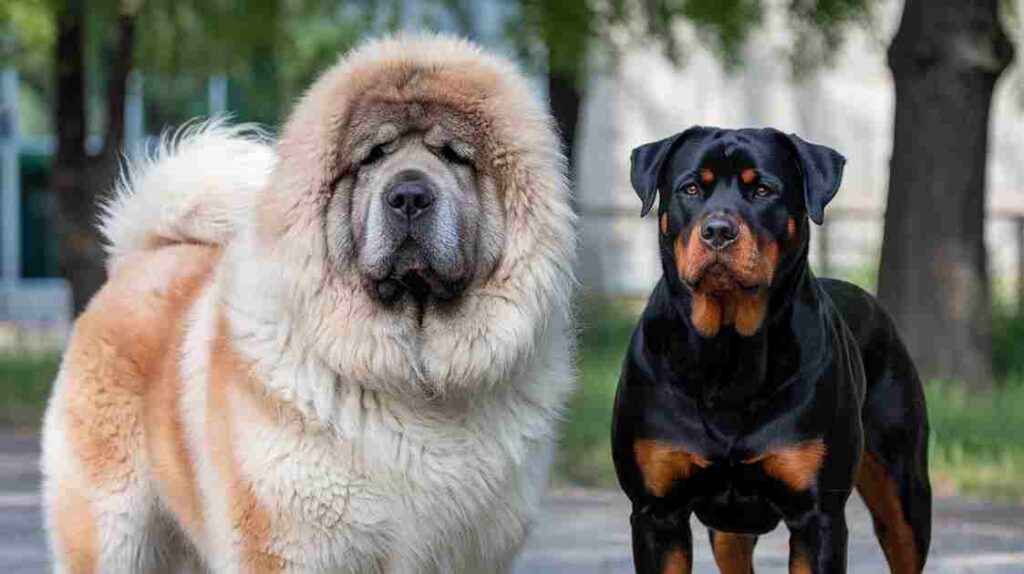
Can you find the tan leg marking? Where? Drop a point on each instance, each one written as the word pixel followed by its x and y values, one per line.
pixel 734 553
pixel 662 464
pixel 799 559
pixel 74 527
pixel 664 223
pixel 795 466
pixel 229 372
pixel 791 228
pixel 881 497
pixel 677 561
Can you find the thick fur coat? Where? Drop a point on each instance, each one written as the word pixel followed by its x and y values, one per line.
pixel 235 400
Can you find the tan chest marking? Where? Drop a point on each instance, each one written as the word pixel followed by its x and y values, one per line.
pixel 795 466
pixel 662 464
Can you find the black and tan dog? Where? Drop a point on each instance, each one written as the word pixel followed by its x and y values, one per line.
pixel 752 392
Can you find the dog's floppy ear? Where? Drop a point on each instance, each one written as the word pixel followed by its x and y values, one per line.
pixel 647 161
pixel 822 169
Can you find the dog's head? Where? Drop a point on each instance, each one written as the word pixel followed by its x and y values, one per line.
pixel 418 219
pixel 425 217
pixel 734 205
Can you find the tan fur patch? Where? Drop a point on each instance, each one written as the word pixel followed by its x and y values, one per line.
pixel 716 301
pixel 880 495
pixel 74 527
pixel 734 553
pixel 791 228
pixel 795 466
pixel 706 314
pixel 120 347
pixel 706 175
pixel 664 223
pixel 249 517
pixel 662 464
pixel 747 176
pixel 799 559
pixel 677 561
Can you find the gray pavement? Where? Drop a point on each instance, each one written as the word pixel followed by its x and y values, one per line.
pixel 587 531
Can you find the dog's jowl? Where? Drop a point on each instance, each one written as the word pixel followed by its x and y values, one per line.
pixel 752 392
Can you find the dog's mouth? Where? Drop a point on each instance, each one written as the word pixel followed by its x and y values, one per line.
pixel 419 284
pixel 718 277
pixel 420 288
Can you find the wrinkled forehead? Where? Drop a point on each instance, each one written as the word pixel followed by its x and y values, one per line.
pixel 727 153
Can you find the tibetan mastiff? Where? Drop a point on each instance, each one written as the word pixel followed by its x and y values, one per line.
pixel 343 352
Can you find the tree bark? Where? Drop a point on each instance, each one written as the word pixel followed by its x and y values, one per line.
pixel 565 100
pixel 80 180
pixel 933 276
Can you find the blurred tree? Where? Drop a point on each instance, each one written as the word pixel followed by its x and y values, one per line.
pixel 78 41
pixel 79 176
pixel 933 277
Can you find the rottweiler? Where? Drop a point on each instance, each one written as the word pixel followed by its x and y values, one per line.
pixel 753 392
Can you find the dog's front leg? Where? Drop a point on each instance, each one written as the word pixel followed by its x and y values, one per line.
pixel 817 541
pixel 662 542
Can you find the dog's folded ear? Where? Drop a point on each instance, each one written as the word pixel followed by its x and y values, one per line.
pixel 647 161
pixel 822 169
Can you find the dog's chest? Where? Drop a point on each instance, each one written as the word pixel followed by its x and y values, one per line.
pixel 392 485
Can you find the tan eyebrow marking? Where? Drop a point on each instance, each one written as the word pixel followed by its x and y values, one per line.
pixel 747 176
pixel 706 175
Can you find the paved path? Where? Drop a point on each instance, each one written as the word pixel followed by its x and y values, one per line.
pixel 583 531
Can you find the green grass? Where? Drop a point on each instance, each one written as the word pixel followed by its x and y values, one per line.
pixel 584 456
pixel 25 381
pixel 977 444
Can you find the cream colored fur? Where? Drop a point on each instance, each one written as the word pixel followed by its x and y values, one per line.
pixel 349 439
pixel 189 190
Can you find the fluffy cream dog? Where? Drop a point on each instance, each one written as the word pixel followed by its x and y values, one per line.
pixel 345 353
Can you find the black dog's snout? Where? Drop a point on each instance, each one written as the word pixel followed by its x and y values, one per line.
pixel 719 230
pixel 409 199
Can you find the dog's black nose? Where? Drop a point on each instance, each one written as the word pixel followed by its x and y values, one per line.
pixel 409 199
pixel 719 231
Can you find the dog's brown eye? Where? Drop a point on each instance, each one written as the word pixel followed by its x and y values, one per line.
pixel 691 189
pixel 375 155
pixel 763 191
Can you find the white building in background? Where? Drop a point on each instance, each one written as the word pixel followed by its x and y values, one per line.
pixel 849 106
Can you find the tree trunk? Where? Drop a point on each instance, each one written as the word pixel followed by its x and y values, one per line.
pixel 933 277
pixel 80 180
pixel 565 100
